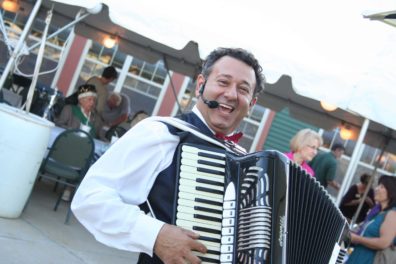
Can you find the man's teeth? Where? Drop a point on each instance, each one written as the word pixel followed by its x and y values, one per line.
pixel 226 107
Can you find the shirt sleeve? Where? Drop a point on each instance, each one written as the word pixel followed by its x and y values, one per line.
pixel 106 202
pixel 65 119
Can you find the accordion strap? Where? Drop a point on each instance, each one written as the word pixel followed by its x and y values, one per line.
pixel 182 125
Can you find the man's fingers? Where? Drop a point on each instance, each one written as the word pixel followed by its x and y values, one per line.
pixel 191 258
pixel 176 245
pixel 198 246
pixel 190 233
pixel 195 245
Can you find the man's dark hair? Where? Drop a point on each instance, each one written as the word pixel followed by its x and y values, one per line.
pixel 110 73
pixel 365 178
pixel 337 146
pixel 239 54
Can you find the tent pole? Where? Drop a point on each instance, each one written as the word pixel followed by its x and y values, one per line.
pixel 353 162
pixel 180 110
pixel 26 30
pixel 71 24
pixel 372 178
pixel 39 60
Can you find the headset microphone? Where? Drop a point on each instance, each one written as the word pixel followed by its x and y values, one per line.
pixel 211 104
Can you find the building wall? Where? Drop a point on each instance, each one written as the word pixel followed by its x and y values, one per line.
pixel 71 64
pixel 282 129
pixel 169 100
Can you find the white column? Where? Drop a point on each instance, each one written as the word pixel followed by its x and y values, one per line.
pixel 357 153
pixel 264 119
pixel 162 94
pixel 123 74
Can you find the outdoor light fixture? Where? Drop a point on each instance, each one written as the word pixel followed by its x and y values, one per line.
pixel 10 5
pixel 346 132
pixel 109 41
pixel 328 107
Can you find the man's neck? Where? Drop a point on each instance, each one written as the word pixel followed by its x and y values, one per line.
pixel 196 111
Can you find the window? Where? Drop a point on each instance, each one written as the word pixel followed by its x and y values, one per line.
pixel 15 23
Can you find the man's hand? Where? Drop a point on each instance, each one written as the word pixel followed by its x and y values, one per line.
pixel 175 245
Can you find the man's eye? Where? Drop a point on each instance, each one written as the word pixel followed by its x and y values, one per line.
pixel 222 82
pixel 244 90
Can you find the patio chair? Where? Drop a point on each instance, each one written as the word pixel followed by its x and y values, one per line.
pixel 67 161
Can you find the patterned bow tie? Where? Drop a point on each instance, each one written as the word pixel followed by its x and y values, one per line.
pixel 233 138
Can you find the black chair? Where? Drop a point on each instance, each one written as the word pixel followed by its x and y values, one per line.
pixel 67 161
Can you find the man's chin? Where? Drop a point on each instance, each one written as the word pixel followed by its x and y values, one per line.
pixel 222 125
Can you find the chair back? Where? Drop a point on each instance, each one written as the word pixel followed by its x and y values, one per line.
pixel 73 148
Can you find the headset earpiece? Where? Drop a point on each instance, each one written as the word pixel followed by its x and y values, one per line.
pixel 201 89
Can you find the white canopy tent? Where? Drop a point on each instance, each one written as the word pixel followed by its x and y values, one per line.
pixel 331 52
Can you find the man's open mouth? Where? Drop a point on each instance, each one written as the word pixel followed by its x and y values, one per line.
pixel 226 108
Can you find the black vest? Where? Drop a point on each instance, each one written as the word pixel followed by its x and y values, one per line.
pixel 162 194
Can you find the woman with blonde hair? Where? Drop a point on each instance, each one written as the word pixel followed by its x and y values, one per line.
pixel 304 147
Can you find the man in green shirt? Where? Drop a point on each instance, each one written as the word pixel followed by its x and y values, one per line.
pixel 325 166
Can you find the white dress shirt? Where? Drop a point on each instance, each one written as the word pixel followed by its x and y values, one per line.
pixel 106 202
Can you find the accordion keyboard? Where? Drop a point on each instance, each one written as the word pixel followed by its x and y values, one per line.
pixel 200 198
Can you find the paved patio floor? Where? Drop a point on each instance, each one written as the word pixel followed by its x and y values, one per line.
pixel 40 236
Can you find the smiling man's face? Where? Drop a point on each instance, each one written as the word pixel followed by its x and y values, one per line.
pixel 231 83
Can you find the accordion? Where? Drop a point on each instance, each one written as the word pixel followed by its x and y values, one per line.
pixel 257 208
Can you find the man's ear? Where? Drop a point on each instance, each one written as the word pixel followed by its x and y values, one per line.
pixel 251 104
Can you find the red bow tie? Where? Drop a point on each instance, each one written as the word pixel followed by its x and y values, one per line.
pixel 233 138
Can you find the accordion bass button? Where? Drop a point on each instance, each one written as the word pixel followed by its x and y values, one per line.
pixel 227 231
pixel 228 213
pixel 228 222
pixel 227 240
pixel 229 205
pixel 226 249
pixel 225 258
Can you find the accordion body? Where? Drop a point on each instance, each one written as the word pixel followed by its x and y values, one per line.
pixel 257 208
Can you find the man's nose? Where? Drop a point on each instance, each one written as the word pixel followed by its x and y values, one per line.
pixel 231 92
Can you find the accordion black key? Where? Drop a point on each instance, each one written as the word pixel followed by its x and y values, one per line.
pixel 257 208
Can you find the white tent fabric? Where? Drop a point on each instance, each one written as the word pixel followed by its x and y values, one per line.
pixel 329 49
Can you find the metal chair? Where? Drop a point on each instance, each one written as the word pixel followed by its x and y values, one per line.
pixel 68 160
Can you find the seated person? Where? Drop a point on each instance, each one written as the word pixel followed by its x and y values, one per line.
pixel 350 202
pixel 116 110
pixel 83 114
